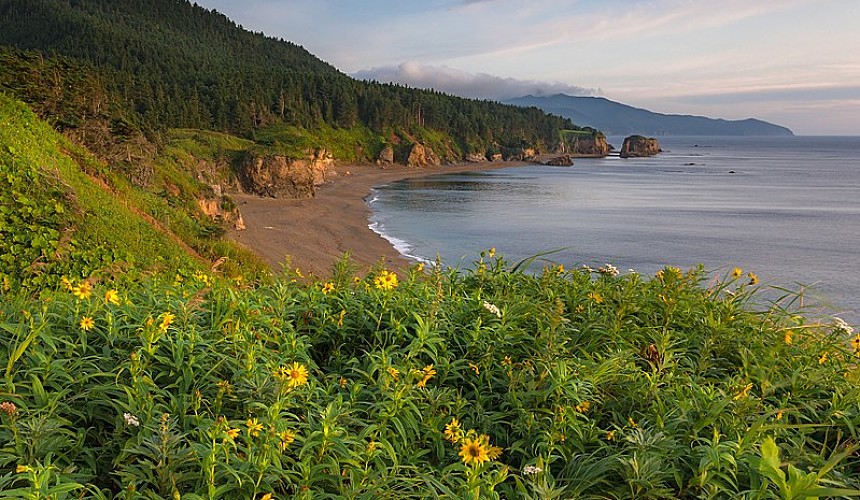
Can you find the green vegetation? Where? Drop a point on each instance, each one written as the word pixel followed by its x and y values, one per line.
pixel 484 384
pixel 170 63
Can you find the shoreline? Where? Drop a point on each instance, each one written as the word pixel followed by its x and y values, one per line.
pixel 312 234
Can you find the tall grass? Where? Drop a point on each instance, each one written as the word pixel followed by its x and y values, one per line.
pixel 488 383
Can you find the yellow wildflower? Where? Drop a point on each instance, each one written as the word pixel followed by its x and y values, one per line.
pixel 855 343
pixel 254 427
pixel 507 361
pixel 233 433
pixel 67 283
pixel 492 252
pixel 267 496
pixel 224 386
pixel 297 375
pixel 788 337
pixel 286 438
pixel 343 382
pixel 428 373
pixel 83 291
pixel 394 372
pixel 87 323
pixel 779 414
pixel 583 407
pixel 610 435
pixel 419 268
pixel 328 288
pixel 112 297
pixel 385 281
pixel 22 468
pixel 473 452
pixel 743 392
pixel 166 320
pixel 737 272
pixel 474 368
pixel 299 273
pixel 595 297
pixel 453 432
pixel 753 278
pixel 580 309
pixel 560 269
pixel 823 358
pixel 631 422
pixel 340 318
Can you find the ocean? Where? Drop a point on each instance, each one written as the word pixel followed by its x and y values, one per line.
pixel 785 208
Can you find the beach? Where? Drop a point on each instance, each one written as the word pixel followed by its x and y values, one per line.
pixel 312 234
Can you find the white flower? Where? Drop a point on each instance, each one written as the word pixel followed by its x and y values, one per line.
pixel 840 324
pixel 493 309
pixel 608 269
pixel 130 419
pixel 531 469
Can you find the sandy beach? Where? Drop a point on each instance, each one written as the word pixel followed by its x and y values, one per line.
pixel 314 233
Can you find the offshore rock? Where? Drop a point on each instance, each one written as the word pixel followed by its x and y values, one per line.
pixel 422 156
pixel 560 161
pixel 281 177
pixel 637 146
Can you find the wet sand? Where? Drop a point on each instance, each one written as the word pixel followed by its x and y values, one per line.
pixel 313 234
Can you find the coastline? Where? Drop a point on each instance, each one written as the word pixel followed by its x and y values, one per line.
pixel 312 234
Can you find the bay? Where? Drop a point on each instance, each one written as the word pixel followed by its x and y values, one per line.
pixel 785 208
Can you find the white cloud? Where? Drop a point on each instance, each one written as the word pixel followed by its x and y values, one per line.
pixel 464 84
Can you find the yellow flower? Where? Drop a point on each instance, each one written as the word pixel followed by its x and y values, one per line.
pixel 419 268
pixel 453 432
pixel 855 343
pixel 507 361
pixel 286 439
pixel 583 407
pixel 267 496
pixel 753 278
pixel 385 281
pixel 779 414
pixel 474 368
pixel 788 337
pixel 22 468
pixel 343 382
pixel 492 252
pixel 340 318
pixel 595 297
pixel 233 433
pixel 112 297
pixel 328 288
pixel 67 283
pixel 560 269
pixel 83 291
pixel 428 373
pixel 394 372
pixel 254 427
pixel 297 375
pixel 87 323
pixel 823 358
pixel 299 273
pixel 166 320
pixel 743 392
pixel 473 452
pixel 224 386
pixel 737 272
pixel 610 435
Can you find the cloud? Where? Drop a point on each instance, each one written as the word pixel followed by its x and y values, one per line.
pixel 464 84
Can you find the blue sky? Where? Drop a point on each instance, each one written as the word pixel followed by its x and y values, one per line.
pixel 792 62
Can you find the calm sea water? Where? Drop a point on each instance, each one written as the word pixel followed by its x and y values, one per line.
pixel 786 208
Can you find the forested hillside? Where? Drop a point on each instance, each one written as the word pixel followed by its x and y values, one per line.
pixel 175 64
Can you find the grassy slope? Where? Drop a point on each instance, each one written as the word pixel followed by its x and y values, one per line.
pixel 96 227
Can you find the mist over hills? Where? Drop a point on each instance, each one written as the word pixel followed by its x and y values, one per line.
pixel 614 118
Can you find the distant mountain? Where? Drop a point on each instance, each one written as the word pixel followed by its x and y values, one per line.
pixel 614 118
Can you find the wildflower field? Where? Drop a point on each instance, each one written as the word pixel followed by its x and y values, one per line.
pixel 491 383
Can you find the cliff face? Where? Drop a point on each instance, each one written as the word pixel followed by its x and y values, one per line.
pixel 422 156
pixel 282 177
pixel 638 146
pixel 594 145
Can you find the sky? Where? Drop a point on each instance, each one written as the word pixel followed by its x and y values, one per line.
pixel 791 62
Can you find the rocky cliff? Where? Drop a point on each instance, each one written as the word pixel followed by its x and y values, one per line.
pixel 593 145
pixel 281 177
pixel 639 146
pixel 422 156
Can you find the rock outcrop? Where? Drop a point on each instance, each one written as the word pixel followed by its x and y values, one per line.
pixel 386 156
pixel 589 145
pixel 281 177
pixel 560 161
pixel 639 146
pixel 422 156
pixel 222 209
pixel 476 157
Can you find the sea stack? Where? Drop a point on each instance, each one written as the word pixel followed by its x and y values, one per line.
pixel 638 146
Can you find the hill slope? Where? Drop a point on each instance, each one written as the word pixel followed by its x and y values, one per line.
pixel 614 118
